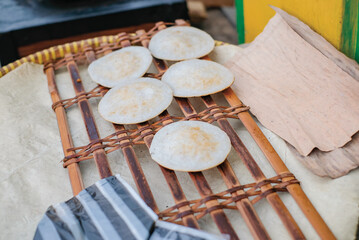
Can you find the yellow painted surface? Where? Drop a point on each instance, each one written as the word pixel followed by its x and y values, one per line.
pixel 76 49
pixel 61 50
pixel 53 53
pixel 47 54
pixel 323 16
pixel 97 43
pixel 32 58
pixel 12 66
pixel 67 48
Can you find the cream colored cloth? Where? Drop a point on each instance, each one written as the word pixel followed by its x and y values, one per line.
pixel 32 177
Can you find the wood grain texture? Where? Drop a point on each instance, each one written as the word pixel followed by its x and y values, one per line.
pixel 256 172
pixel 254 169
pixel 198 179
pixel 174 185
pixel 213 206
pixel 170 176
pixel 244 206
pixel 92 132
pixel 218 216
pixel 129 154
pixel 65 135
pixel 252 166
pixel 280 168
pixel 203 188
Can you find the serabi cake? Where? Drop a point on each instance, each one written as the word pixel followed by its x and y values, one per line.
pixel 120 65
pixel 190 146
pixel 196 77
pixel 135 100
pixel 181 43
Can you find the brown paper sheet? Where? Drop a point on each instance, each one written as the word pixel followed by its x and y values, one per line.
pixel 340 161
pixel 348 65
pixel 296 91
pixel 335 163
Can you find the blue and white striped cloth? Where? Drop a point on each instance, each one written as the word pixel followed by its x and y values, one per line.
pixel 110 209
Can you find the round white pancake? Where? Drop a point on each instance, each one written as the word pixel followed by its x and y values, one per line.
pixel 135 101
pixel 120 65
pixel 181 43
pixel 190 146
pixel 193 78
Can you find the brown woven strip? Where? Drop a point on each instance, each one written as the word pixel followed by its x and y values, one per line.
pixel 184 213
pixel 239 197
pixel 111 142
pixel 171 214
pixel 207 114
pixel 66 103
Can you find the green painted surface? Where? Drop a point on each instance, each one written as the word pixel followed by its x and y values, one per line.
pixel 240 21
pixel 349 38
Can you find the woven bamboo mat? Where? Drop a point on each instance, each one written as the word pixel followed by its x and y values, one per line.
pixel 188 212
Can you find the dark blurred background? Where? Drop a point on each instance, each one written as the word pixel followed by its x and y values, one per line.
pixel 28 26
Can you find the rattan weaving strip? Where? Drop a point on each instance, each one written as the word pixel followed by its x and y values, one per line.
pixel 279 167
pixel 218 216
pixel 228 200
pixel 248 213
pixel 198 178
pixel 257 174
pixel 66 103
pixel 99 154
pixel 254 169
pixel 228 112
pixel 128 151
pixel 185 211
pixel 170 176
pixel 113 141
pixel 66 138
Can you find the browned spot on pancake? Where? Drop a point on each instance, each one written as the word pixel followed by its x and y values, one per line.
pixel 195 142
pixel 199 81
pixel 132 95
pixel 125 64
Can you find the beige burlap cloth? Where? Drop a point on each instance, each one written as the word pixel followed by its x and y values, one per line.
pixel 32 177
